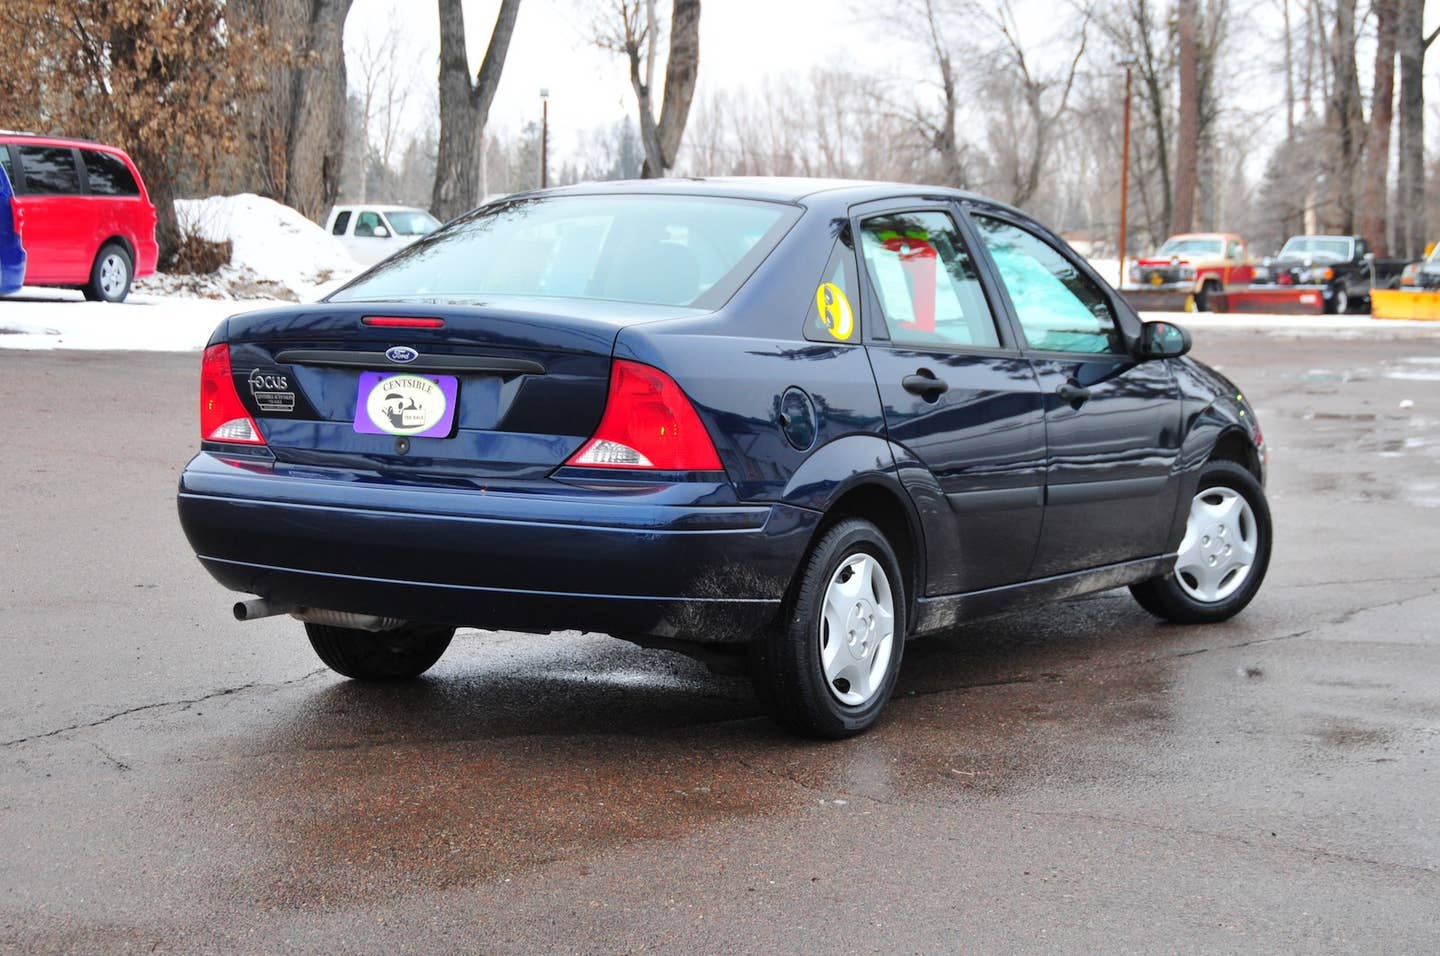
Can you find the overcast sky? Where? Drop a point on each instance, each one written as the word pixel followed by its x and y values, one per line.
pixel 742 41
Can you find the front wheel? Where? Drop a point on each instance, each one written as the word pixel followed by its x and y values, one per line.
pixel 400 654
pixel 110 275
pixel 1224 555
pixel 828 667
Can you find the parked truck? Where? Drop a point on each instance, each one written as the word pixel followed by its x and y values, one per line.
pixel 1188 271
pixel 1341 268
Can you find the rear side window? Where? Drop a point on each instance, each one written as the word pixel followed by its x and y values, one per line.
pixel 108 175
pixel 5 161
pixel 341 222
pixel 50 171
pixel 366 224
pixel 1059 308
pixel 833 314
pixel 926 281
pixel 662 250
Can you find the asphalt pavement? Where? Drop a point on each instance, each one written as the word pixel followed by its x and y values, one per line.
pixel 1076 778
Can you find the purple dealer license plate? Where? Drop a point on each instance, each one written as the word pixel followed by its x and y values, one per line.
pixel 406 403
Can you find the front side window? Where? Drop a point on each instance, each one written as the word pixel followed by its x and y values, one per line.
pixel 342 222
pixel 366 224
pixel 926 282
pixel 657 249
pixel 1236 251
pixel 50 171
pixel 108 175
pixel 1059 308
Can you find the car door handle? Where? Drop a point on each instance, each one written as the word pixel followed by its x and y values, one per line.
pixel 1075 395
pixel 925 384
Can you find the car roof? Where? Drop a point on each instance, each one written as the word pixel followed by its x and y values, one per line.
pixel 792 189
pixel 382 207
pixel 15 136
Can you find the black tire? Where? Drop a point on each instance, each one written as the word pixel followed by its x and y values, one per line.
pixel 1202 298
pixel 1164 597
pixel 1333 301
pixel 379 655
pixel 104 286
pixel 786 664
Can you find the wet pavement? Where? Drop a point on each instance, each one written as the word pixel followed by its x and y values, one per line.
pixel 1076 777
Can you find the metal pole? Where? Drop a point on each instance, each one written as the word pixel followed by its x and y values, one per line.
pixel 1125 177
pixel 544 142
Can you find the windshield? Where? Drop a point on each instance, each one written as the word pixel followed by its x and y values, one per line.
pixel 1333 248
pixel 661 250
pixel 1193 247
pixel 412 222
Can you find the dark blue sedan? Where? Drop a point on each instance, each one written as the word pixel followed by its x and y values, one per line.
pixel 795 422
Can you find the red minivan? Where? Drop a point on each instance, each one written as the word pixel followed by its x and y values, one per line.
pixel 86 220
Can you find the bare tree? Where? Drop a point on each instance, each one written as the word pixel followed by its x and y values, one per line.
pixel 382 93
pixel 1373 216
pixel 318 123
pixel 465 106
pixel 1187 142
pixel 1413 43
pixel 632 28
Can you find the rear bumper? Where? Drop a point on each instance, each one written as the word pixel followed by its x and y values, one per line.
pixel 656 559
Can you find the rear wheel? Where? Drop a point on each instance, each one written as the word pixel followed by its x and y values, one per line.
pixel 1224 555
pixel 110 275
pixel 828 668
pixel 1339 302
pixel 400 654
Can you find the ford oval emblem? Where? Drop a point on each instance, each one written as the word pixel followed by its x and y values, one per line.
pixel 402 354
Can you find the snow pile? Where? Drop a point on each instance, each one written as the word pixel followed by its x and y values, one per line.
pixel 276 252
pixel 62 319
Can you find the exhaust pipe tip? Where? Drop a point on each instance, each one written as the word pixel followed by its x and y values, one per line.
pixel 256 608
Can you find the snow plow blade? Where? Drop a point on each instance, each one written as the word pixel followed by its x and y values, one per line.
pixel 1405 304
pixel 1160 300
pixel 1283 300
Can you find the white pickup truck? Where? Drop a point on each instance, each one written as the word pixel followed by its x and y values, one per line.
pixel 371 232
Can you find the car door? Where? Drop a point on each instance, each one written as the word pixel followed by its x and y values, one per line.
pixel 957 393
pixel 368 238
pixel 59 221
pixel 1112 422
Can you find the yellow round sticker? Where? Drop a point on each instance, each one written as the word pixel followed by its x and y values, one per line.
pixel 834 310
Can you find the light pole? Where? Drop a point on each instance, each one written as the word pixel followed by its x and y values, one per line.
pixel 544 137
pixel 1125 176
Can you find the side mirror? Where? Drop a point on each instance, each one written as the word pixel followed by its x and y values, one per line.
pixel 1162 340
pixel 381 233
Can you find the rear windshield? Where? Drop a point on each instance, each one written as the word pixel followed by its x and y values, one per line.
pixel 412 222
pixel 661 250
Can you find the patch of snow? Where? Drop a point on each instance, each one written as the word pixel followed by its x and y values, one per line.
pixel 276 253
pixel 57 319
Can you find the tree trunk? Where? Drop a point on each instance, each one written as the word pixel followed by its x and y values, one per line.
pixel 1188 139
pixel 1347 118
pixel 317 125
pixel 1373 216
pixel 682 68
pixel 1410 236
pixel 465 107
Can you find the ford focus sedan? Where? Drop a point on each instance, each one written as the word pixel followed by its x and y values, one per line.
pixel 788 422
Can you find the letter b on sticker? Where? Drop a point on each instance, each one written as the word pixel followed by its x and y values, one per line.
pixel 834 311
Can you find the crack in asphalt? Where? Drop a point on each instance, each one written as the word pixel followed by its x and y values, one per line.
pixel 1227 838
pixel 182 703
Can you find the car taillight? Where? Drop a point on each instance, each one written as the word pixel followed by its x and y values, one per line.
pixel 222 415
pixel 17 216
pixel 648 423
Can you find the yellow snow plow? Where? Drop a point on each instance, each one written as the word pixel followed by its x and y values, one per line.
pixel 1421 304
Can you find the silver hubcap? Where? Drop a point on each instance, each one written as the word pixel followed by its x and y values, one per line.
pixel 112 275
pixel 857 629
pixel 1219 547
